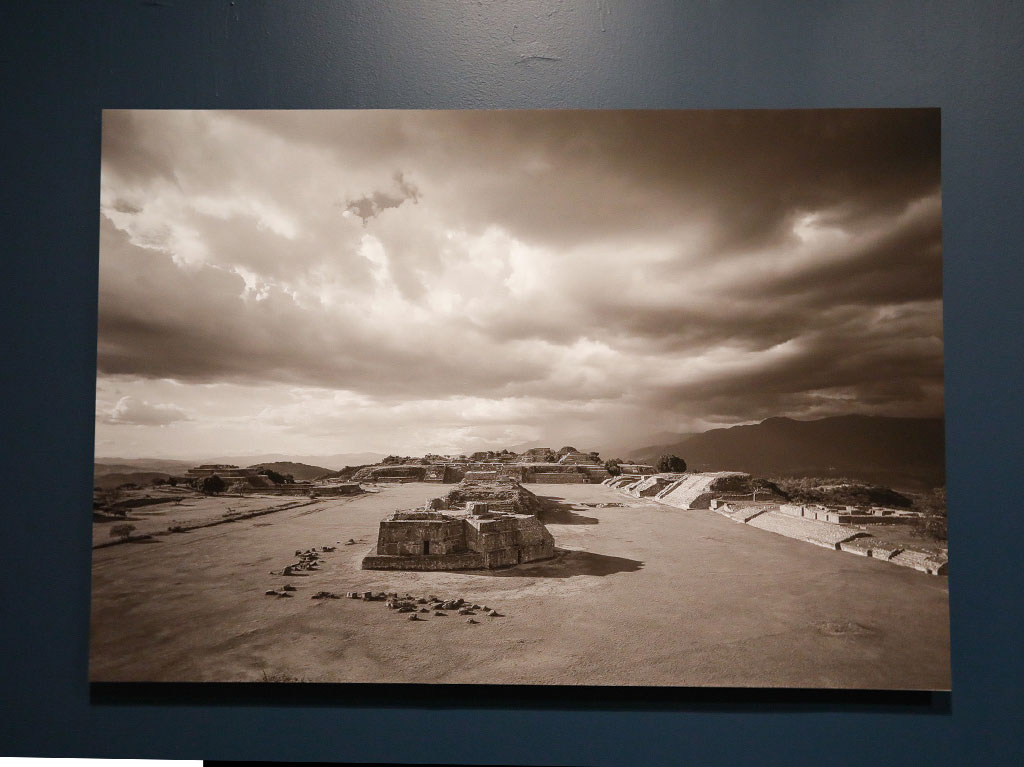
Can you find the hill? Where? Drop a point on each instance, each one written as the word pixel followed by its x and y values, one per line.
pixel 116 479
pixel 903 453
pixel 103 466
pixel 332 462
pixel 300 471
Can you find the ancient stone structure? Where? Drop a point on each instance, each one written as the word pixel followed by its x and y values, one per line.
pixel 500 495
pixel 696 490
pixel 576 458
pixel 225 471
pixel 851 515
pixel 325 490
pixel 650 486
pixel 540 472
pixel 476 525
pixel 637 468
pixel 826 531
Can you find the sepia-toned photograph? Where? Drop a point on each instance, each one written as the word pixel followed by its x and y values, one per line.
pixel 618 398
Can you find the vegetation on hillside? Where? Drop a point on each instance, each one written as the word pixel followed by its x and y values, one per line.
pixel 933 506
pixel 830 491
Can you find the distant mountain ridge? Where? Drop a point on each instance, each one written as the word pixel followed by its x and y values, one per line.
pixel 907 453
pixel 180 466
pixel 299 471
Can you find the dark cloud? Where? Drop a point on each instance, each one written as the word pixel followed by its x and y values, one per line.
pixel 622 269
pixel 374 204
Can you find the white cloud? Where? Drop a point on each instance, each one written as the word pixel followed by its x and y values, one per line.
pixel 130 411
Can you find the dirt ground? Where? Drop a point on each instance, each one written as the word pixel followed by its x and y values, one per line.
pixel 189 508
pixel 642 594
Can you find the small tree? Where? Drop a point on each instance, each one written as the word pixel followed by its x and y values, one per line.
pixel 122 531
pixel 669 463
pixel 612 466
pixel 212 485
pixel 933 507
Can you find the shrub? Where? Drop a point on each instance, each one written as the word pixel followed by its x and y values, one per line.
pixel 933 507
pixel 273 476
pixel 612 466
pixel 840 492
pixel 122 531
pixel 669 463
pixel 212 485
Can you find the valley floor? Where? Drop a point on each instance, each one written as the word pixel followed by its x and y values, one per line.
pixel 639 594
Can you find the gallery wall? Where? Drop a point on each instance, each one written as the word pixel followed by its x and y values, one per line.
pixel 65 61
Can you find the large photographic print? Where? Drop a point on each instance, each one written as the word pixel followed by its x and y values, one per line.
pixel 521 397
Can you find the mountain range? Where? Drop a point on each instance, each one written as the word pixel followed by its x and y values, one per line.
pixel 902 453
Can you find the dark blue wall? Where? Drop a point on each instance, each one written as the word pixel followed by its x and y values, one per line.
pixel 60 63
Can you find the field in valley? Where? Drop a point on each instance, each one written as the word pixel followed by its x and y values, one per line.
pixel 639 594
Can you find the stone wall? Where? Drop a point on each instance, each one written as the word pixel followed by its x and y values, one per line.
pixel 649 486
pixel 323 491
pixel 557 478
pixel 466 560
pixel 397 473
pixel 637 468
pixel 420 533
pixel 849 516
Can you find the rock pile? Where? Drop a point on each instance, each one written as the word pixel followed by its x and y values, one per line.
pixel 307 561
pixel 416 607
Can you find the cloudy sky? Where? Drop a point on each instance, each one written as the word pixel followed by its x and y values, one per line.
pixel 409 281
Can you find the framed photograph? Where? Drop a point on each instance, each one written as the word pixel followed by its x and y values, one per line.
pixel 575 398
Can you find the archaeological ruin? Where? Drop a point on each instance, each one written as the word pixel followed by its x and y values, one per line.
pixel 476 525
pixel 695 490
pixel 534 466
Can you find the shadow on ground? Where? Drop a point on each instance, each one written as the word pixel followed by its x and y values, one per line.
pixel 567 563
pixel 557 512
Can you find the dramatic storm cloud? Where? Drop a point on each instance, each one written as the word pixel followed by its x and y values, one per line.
pixel 322 282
